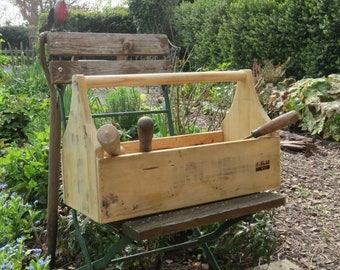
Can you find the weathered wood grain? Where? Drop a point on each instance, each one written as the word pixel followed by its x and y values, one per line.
pixel 106 44
pixel 177 141
pixel 62 71
pixel 140 184
pixel 184 219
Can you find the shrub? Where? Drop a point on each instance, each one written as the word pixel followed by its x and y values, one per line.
pixel 317 102
pixel 196 26
pixel 111 20
pixel 23 98
pixel 125 100
pixel 14 36
pixel 153 16
pixel 4 61
pixel 306 31
pixel 17 218
pixel 17 256
pixel 249 242
pixel 24 169
pixel 191 101
pixel 29 80
pixel 16 112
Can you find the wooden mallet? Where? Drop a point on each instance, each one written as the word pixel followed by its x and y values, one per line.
pixel 145 128
pixel 109 139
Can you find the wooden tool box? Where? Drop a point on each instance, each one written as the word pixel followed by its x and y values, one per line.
pixel 180 171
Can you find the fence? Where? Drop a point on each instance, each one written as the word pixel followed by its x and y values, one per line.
pixel 20 56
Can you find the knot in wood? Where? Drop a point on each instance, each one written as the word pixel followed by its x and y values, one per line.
pixel 127 46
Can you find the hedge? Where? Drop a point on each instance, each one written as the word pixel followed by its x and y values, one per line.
pixel 237 31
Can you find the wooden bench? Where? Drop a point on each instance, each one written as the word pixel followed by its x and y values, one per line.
pixel 191 180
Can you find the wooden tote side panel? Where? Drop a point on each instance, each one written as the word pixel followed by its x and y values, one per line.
pixel 246 112
pixel 79 154
pixel 139 184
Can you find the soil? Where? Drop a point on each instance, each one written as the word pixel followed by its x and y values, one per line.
pixel 309 222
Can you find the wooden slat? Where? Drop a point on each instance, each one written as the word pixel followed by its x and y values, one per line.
pixel 177 141
pixel 105 44
pixel 62 71
pixel 175 221
pixel 140 184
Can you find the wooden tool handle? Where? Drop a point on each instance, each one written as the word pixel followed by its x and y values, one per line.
pixel 275 124
pixel 145 129
pixel 108 137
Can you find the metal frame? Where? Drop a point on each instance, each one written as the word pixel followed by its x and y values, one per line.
pixel 115 248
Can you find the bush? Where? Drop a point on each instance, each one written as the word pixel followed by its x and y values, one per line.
pixel 17 256
pixel 196 26
pixel 16 112
pixel 18 219
pixel 191 101
pixel 153 16
pixel 125 100
pixel 16 216
pixel 317 101
pixel 306 31
pixel 23 98
pixel 111 20
pixel 254 241
pixel 15 35
pixel 250 31
pixel 24 169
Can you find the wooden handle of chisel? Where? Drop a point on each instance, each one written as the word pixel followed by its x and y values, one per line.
pixel 145 127
pixel 109 139
pixel 275 124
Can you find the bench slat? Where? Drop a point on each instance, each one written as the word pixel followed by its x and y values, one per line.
pixel 106 44
pixel 62 71
pixel 183 219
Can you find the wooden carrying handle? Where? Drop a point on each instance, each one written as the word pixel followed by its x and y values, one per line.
pixel 145 127
pixel 108 137
pixel 275 124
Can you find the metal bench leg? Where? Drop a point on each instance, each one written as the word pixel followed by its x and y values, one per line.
pixel 204 239
pixel 81 240
pixel 111 251
pixel 207 251
pixel 125 240
pixel 168 109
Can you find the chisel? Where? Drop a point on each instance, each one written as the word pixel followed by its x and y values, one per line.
pixel 275 124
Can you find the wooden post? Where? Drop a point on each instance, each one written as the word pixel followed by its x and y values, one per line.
pixel 53 160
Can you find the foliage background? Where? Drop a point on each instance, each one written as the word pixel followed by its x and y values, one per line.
pixel 213 34
pixel 237 31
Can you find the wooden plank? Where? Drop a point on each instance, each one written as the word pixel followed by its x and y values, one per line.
pixel 140 184
pixel 183 219
pixel 62 71
pixel 79 148
pixel 177 141
pixel 165 78
pixel 105 44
